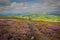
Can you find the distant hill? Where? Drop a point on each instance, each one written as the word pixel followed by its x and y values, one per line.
pixel 33 16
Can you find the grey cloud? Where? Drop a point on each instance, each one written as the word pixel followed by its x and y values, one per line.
pixel 4 2
pixel 47 6
pixel 54 3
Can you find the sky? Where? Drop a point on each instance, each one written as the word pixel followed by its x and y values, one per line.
pixel 23 6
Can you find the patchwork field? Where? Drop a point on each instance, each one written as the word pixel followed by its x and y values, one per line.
pixel 19 29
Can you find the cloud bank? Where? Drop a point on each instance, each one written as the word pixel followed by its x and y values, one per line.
pixel 6 6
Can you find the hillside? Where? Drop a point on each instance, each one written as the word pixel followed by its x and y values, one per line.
pixel 18 29
pixel 32 16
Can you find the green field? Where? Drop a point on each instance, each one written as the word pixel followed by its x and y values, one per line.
pixel 33 16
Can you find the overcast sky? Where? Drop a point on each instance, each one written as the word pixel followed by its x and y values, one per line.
pixel 23 6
